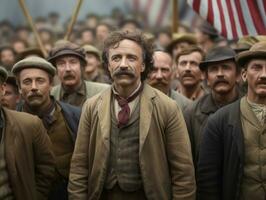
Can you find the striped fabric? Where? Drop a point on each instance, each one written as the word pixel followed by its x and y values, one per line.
pixel 233 18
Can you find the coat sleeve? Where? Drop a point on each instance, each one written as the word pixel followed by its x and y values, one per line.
pixel 44 161
pixel 180 157
pixel 78 178
pixel 209 170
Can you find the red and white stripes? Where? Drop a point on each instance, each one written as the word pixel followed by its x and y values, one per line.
pixel 233 18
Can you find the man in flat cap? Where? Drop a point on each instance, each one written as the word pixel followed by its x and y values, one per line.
pixel 233 152
pixel 26 159
pixel 132 140
pixel 221 72
pixel 93 68
pixel 70 62
pixel 35 78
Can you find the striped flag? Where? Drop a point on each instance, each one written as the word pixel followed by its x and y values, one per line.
pixel 233 18
pixel 156 12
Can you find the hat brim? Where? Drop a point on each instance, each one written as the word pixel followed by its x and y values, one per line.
pixel 182 39
pixel 245 56
pixel 203 65
pixel 65 53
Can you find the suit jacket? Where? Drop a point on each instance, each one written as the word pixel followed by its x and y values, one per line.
pixel 92 89
pixel 181 100
pixel 29 157
pixel 221 157
pixel 164 149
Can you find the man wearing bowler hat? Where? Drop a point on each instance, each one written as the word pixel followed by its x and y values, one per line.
pixel 35 78
pixel 232 156
pixel 69 59
pixel 26 159
pixel 221 73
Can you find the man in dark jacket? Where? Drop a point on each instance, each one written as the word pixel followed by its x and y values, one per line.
pixel 221 73
pixel 232 156
pixel 34 76
pixel 26 159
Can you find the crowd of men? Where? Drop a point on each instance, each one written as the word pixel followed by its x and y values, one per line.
pixel 121 114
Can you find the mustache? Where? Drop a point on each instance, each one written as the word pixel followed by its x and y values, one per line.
pixel 32 95
pixel 188 75
pixel 220 81
pixel 68 76
pixel 124 72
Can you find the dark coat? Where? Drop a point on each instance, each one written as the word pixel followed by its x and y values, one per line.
pixel 220 164
pixel 29 157
pixel 196 115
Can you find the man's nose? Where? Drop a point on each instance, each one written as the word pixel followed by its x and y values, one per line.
pixel 158 74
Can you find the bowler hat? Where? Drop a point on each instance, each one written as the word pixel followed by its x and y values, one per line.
pixel 208 29
pixel 3 74
pixel 181 37
pixel 63 48
pixel 12 81
pixel 92 49
pixel 34 62
pixel 258 50
pixel 217 54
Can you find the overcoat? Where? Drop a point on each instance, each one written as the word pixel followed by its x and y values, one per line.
pixel 29 157
pixel 164 149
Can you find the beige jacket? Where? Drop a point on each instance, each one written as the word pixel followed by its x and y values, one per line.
pixel 164 149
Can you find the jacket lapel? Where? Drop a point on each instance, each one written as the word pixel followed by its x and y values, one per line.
pixel 104 114
pixel 146 109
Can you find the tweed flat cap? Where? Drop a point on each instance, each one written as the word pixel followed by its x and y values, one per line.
pixel 181 37
pixel 34 62
pixel 217 54
pixel 3 74
pixel 63 48
pixel 92 49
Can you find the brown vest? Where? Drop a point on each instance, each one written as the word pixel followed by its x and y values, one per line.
pixel 63 145
pixel 123 167
pixel 254 178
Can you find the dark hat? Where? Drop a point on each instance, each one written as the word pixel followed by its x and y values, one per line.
pixel 208 29
pixel 63 48
pixel 217 54
pixel 33 51
pixel 34 62
pixel 92 49
pixel 181 37
pixel 258 50
pixel 11 80
pixel 3 74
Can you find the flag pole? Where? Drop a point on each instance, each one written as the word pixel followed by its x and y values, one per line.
pixel 73 20
pixel 35 32
pixel 175 16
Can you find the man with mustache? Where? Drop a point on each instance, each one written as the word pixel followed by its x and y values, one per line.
pixel 221 73
pixel 26 159
pixel 232 155
pixel 35 78
pixel 69 59
pixel 11 98
pixel 189 73
pixel 132 140
pixel 161 77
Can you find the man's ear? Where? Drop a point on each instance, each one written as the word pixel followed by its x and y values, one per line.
pixel 142 67
pixel 244 74
pixel 3 88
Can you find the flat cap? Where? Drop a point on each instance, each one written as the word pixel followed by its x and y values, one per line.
pixel 34 62
pixel 3 74
pixel 63 48
pixel 92 49
pixel 217 54
pixel 181 37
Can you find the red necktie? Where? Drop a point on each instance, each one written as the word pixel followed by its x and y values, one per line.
pixel 124 113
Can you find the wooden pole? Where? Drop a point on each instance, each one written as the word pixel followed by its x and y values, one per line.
pixel 30 21
pixel 175 16
pixel 73 20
